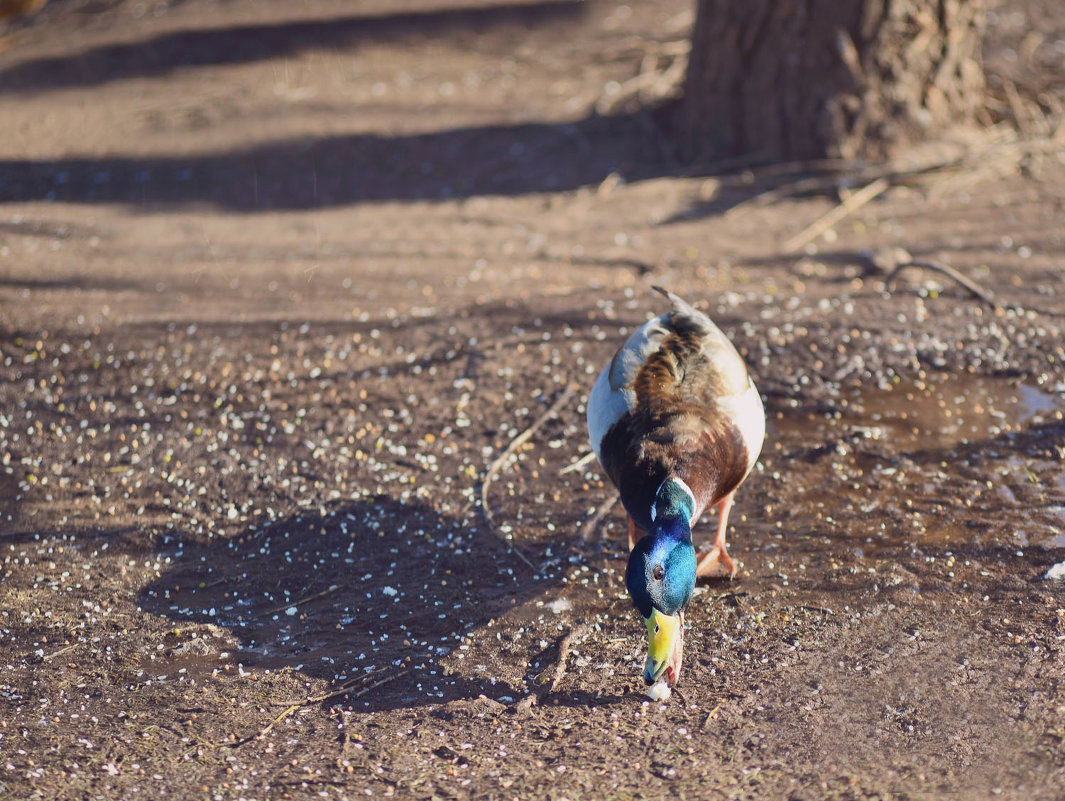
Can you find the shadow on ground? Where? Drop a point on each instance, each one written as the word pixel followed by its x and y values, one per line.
pixel 344 170
pixel 377 587
pixel 238 44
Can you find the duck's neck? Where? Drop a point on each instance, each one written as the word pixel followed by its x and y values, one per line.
pixel 673 507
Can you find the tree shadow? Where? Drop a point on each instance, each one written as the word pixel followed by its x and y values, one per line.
pixel 70 283
pixel 167 52
pixel 344 170
pixel 378 588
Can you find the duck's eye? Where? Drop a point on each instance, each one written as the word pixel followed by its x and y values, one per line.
pixel 659 573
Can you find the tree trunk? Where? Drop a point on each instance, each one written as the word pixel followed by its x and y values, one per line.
pixel 782 80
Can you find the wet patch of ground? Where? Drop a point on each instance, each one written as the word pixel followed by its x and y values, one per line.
pixel 249 406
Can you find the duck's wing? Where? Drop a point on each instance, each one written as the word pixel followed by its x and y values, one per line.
pixel 614 393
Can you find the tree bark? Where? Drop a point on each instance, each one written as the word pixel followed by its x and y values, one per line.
pixel 783 80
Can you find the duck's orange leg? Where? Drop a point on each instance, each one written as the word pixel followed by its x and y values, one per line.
pixel 716 562
pixel 635 532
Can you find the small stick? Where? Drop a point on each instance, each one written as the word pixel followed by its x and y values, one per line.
pixel 343 688
pixel 846 208
pixel 292 707
pixel 572 467
pixel 316 596
pixel 264 731
pixel 538 694
pixel 499 461
pixel 62 650
pixel 710 715
pixel 1020 115
pixel 593 522
pixel 977 291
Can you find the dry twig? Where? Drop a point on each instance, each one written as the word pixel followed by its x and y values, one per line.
pixel 977 291
pixel 547 687
pixel 593 522
pixel 344 689
pixel 1001 152
pixel 265 730
pixel 332 588
pixel 54 654
pixel 577 465
pixel 790 189
pixel 850 205
pixel 653 82
pixel 711 715
pixel 510 450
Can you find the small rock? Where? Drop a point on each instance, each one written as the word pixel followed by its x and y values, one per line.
pixel 560 605
pixel 1056 572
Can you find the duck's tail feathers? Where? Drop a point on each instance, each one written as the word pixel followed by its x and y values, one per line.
pixel 677 301
pixel 686 316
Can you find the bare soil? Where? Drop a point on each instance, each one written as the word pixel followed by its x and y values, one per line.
pixel 281 282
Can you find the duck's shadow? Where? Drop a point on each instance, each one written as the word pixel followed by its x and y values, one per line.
pixel 369 595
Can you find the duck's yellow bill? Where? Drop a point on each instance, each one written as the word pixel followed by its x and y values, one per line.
pixel 662 633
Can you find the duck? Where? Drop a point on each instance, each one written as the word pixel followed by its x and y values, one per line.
pixel 677 424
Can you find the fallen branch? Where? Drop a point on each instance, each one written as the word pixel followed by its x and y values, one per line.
pixel 548 686
pixel 345 688
pixel 998 158
pixel 510 450
pixel 265 730
pixel 332 588
pixel 1001 151
pixel 590 525
pixel 577 465
pixel 296 705
pixel 791 189
pixel 850 205
pixel 54 654
pixel 977 291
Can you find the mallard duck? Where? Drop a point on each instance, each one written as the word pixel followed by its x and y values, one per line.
pixel 677 423
pixel 17 8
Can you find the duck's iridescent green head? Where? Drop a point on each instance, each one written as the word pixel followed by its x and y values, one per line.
pixel 660 578
pixel 661 570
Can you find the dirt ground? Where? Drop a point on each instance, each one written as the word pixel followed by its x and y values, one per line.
pixel 281 282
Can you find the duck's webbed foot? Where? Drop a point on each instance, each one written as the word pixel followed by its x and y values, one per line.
pixel 716 562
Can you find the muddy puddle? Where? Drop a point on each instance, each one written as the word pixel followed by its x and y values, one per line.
pixel 943 412
pixel 937 412
pixel 942 460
